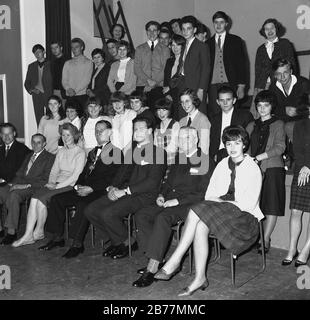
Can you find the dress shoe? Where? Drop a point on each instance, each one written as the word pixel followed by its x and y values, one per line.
pixel 2 234
pixel 142 270
pixel 145 280
pixel 122 251
pixel 287 262
pixel 73 252
pixel 22 242
pixel 8 239
pixel 108 251
pixel 187 292
pixel 299 263
pixel 52 244
pixel 163 275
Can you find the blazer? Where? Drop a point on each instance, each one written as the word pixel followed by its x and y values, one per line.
pixel 185 182
pixel 102 175
pixel 38 173
pixel 167 71
pixel 275 145
pixel 197 66
pixel 32 78
pixel 239 117
pixel 10 164
pixel 263 64
pixel 101 89
pixel 301 145
pixel 234 57
pixel 130 77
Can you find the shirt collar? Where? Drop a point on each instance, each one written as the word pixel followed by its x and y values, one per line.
pixel 193 115
pixel 228 114
pixel 37 154
pixel 149 42
pixel 9 145
pixel 293 82
pixel 125 60
pixel 273 41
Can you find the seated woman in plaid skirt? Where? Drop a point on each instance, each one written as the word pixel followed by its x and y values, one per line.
pixel 300 191
pixel 230 211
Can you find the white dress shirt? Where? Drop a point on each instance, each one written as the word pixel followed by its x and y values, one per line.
pixel 226 121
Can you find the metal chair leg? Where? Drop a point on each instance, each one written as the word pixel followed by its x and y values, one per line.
pixel 93 235
pixel 67 224
pixel 129 234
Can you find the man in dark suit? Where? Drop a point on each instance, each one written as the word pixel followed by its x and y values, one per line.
pixel 229 115
pixel 96 176
pixel 33 174
pixel 12 154
pixel 38 81
pixel 148 169
pixel 186 184
pixel 194 64
pixel 228 61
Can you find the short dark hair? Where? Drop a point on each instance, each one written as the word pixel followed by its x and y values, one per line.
pixel 142 119
pixel 93 100
pixel 56 42
pixel 172 21
pixel 111 41
pixel 98 51
pixel 39 135
pixel 117 25
pixel 220 14
pixel 280 30
pixel 124 43
pixel 107 123
pixel 152 23
pixel 37 47
pixel 164 103
pixel 178 39
pixel 165 30
pixel 281 63
pixel 73 130
pixel 189 19
pixel 266 96
pixel 226 89
pixel 202 28
pixel 118 96
pixel 233 133
pixel 73 103
pixel 8 125
pixel 193 95
pixel 138 95
pixel 165 26
pixel 80 41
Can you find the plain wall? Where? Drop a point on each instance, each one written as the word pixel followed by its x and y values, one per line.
pixel 248 17
pixel 10 64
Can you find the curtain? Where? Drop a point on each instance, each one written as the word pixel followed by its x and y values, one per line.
pixel 58 27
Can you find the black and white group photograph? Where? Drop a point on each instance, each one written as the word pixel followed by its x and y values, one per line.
pixel 155 154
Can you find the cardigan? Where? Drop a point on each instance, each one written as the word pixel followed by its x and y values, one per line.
pixel 248 183
pixel 275 145
pixel 130 77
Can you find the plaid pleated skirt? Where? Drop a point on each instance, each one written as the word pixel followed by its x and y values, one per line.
pixel 300 196
pixel 235 229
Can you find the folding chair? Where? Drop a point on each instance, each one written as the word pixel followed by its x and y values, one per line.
pixel 131 226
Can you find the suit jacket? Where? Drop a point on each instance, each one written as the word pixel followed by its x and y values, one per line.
pixel 38 173
pixel 102 174
pixel 167 71
pixel 101 89
pixel 239 117
pixel 32 78
pixel 234 57
pixel 185 182
pixel 197 66
pixel 10 164
pixel 144 171
pixel 130 77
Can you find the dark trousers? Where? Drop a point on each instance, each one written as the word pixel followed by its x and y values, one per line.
pixel 154 228
pixel 107 215
pixel 39 102
pixel 57 209
pixel 213 107
pixel 12 201
pixel 82 100
pixel 152 96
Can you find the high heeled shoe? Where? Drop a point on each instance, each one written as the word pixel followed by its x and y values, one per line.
pixel 287 262
pixel 299 263
pixel 163 275
pixel 187 292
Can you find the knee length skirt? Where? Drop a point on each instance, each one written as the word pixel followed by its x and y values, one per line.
pixel 236 230
pixel 44 194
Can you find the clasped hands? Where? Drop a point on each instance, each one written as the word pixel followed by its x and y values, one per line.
pixel 83 191
pixel 160 201
pixel 115 193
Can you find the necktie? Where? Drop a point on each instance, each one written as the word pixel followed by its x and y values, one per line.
pixel 152 46
pixel 7 148
pixel 94 160
pixel 219 42
pixel 189 122
pixel 31 161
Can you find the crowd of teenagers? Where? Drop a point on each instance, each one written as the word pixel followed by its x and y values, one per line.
pixel 162 132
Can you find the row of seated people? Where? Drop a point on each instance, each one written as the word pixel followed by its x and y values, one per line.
pixel 266 146
pixel 202 67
